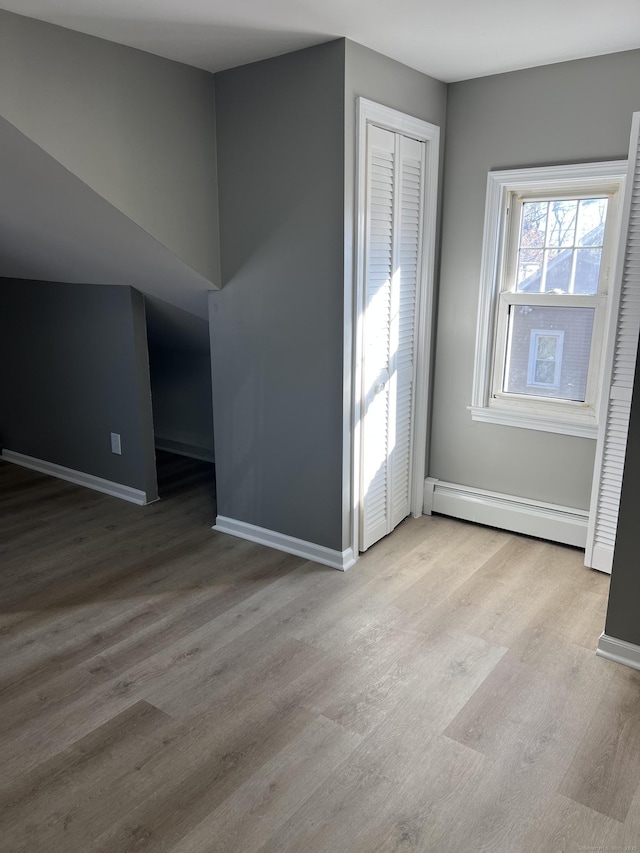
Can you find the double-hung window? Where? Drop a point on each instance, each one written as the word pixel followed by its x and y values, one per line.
pixel 548 254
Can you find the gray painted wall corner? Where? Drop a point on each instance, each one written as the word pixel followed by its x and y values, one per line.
pixel 180 369
pixel 138 129
pixel 74 370
pixel 277 323
pixel 142 378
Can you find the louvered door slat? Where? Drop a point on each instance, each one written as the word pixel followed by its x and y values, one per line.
pixel 612 438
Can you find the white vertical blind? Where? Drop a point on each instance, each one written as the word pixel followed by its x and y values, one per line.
pixel 395 169
pixel 618 376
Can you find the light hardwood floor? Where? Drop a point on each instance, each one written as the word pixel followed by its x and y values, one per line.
pixel 168 688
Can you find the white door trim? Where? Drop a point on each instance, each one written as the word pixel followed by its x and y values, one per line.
pixel 368 112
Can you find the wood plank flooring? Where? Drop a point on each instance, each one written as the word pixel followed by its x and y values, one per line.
pixel 167 688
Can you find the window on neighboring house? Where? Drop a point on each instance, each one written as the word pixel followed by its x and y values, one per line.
pixel 549 246
pixel 544 366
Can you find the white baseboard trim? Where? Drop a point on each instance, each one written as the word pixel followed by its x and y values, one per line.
pixel 98 484
pixel 619 651
pixel 508 512
pixel 171 445
pixel 341 560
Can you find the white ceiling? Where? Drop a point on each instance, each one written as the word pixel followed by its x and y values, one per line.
pixel 448 39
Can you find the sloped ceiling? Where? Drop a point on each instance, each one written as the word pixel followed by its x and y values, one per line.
pixel 54 228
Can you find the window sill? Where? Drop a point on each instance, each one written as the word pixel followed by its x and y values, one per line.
pixel 579 428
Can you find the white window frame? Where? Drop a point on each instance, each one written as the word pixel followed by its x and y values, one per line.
pixel 503 189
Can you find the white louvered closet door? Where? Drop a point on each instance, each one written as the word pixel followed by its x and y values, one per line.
pixel 619 374
pixel 394 210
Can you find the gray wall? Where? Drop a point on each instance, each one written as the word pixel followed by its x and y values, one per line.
pixel 139 130
pixel 277 324
pixel 180 368
pixel 372 75
pixel 385 81
pixel 624 592
pixel 53 227
pixel 182 407
pixel 564 113
pixel 73 369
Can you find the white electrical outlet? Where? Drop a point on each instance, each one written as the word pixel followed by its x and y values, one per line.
pixel 116 446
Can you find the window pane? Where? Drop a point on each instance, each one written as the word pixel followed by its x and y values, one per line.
pixel 534 224
pixel 529 269
pixel 563 214
pixel 587 270
pixel 569 262
pixel 591 218
pixel 548 351
pixel 558 277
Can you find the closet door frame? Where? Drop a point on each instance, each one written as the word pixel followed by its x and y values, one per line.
pixel 371 113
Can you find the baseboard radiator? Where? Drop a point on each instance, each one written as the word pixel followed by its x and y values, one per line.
pixel 508 512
